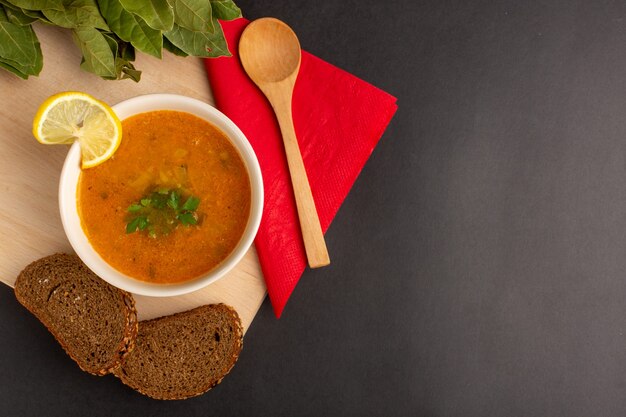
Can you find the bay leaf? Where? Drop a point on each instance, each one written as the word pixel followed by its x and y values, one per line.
pixel 194 15
pixel 77 13
pixel 8 64
pixel 173 48
pixel 126 70
pixel 127 51
pixel 38 4
pixel 37 14
pixel 201 44
pixel 97 55
pixel 33 14
pixel 225 9
pixel 16 15
pixel 19 48
pixel 124 53
pixel 112 42
pixel 158 14
pixel 147 39
pixel 12 69
pixel 132 28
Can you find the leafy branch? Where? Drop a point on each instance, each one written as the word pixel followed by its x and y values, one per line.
pixel 109 31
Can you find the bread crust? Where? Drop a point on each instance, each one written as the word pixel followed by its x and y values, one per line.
pixel 127 343
pixel 52 268
pixel 160 395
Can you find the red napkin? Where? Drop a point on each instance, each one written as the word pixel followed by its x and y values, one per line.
pixel 338 120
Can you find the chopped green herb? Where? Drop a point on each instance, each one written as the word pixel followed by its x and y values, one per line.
pixel 187 219
pixel 173 200
pixel 134 208
pixel 160 212
pixel 191 204
pixel 139 222
pixel 143 223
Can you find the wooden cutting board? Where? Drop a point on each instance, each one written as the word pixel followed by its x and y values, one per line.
pixel 30 226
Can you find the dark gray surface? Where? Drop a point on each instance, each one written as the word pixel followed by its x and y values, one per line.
pixel 478 263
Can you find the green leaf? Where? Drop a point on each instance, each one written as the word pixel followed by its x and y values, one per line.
pixel 160 212
pixel 16 16
pixel 132 28
pixel 127 70
pixel 134 208
pixel 124 53
pixel 173 48
pixel 199 44
pixel 20 49
pixel 36 14
pixel 191 204
pixel 112 42
pixel 225 9
pixel 137 223
pixel 194 15
pixel 38 4
pixel 158 14
pixel 133 225
pixel 77 13
pixel 146 39
pixel 127 51
pixel 97 55
pixel 14 70
pixel 27 14
pixel 173 200
pixel 187 219
pixel 142 223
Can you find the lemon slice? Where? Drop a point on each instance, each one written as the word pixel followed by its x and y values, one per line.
pixel 73 116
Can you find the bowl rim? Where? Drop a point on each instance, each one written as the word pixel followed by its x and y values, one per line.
pixel 68 207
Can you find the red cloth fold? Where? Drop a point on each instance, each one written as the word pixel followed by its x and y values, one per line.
pixel 338 120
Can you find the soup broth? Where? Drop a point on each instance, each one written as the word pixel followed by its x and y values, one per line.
pixel 163 151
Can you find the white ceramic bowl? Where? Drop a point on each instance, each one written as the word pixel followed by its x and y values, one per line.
pixel 78 239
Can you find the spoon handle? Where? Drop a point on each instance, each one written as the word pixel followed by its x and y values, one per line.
pixel 314 243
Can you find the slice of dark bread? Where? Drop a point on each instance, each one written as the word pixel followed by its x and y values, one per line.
pixel 185 354
pixel 93 321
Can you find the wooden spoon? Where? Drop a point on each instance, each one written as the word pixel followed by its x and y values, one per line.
pixel 270 54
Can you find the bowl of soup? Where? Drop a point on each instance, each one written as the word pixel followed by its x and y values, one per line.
pixel 175 208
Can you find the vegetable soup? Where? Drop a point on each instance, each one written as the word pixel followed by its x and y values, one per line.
pixel 172 202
